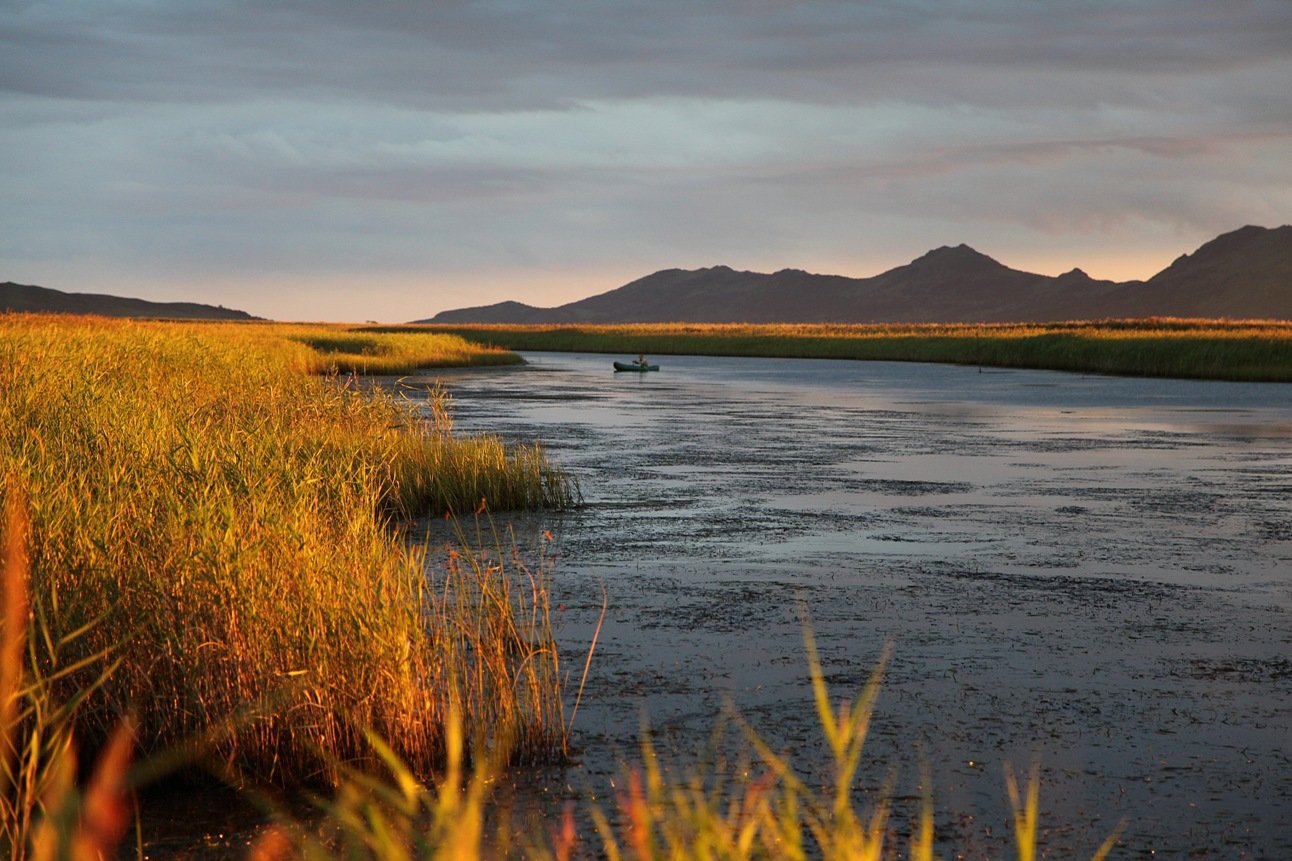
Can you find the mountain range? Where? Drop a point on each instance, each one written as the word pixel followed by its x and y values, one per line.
pixel 43 300
pixel 1244 274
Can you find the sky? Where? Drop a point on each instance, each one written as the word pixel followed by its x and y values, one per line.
pixel 384 160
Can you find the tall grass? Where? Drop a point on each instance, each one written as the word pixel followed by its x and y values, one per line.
pixel 756 807
pixel 212 546
pixel 760 809
pixel 44 815
pixel 1201 349
pixel 226 523
pixel 339 349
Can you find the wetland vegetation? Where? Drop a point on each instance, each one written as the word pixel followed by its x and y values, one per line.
pixel 1253 350
pixel 205 521
pixel 739 810
pixel 218 516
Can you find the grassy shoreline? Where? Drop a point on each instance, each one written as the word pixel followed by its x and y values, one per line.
pixel 202 523
pixel 1251 350
pixel 221 518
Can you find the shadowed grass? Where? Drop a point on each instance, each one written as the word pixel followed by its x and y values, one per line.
pixel 237 517
pixel 1201 349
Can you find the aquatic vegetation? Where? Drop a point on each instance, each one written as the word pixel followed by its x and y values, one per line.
pixel 227 526
pixel 762 808
pixel 1254 350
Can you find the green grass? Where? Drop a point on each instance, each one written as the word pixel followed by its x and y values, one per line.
pixel 1198 349
pixel 235 519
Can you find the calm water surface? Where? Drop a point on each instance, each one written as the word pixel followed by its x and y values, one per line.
pixel 1093 571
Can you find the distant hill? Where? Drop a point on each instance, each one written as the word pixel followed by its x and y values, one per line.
pixel 1243 274
pixel 43 300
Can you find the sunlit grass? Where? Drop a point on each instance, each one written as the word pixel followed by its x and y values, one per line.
pixel 760 809
pixel 1205 349
pixel 45 814
pixel 227 524
pixel 340 349
pixel 213 547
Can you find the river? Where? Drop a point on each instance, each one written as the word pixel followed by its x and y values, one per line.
pixel 1095 572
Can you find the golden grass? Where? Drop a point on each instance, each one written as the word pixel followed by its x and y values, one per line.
pixel 1257 350
pixel 340 349
pixel 760 810
pixel 44 815
pixel 226 524
pixel 210 528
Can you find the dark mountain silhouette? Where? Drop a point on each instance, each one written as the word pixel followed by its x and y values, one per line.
pixel 43 300
pixel 1249 269
pixel 1243 274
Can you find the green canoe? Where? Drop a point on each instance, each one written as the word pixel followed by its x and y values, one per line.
pixel 633 366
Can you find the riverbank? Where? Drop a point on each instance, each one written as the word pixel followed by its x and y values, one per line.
pixel 217 547
pixel 1254 351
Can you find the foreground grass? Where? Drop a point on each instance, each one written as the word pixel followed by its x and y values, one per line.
pixel 1197 349
pixel 758 809
pixel 224 523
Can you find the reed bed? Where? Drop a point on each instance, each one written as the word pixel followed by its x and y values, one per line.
pixel 761 808
pixel 226 526
pixel 340 349
pixel 1251 350
pixel 201 558
pixel 44 814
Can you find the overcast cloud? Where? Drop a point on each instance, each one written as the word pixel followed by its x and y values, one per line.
pixel 329 159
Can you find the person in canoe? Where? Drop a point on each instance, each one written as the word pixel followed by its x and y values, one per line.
pixel 637 364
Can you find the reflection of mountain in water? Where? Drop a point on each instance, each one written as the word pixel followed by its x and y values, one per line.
pixel 1243 274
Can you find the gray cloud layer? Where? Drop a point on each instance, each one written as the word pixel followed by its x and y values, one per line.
pixel 450 153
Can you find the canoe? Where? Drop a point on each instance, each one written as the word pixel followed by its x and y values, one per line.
pixel 633 366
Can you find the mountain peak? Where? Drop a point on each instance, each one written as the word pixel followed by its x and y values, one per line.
pixel 1227 243
pixel 1250 244
pixel 959 258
